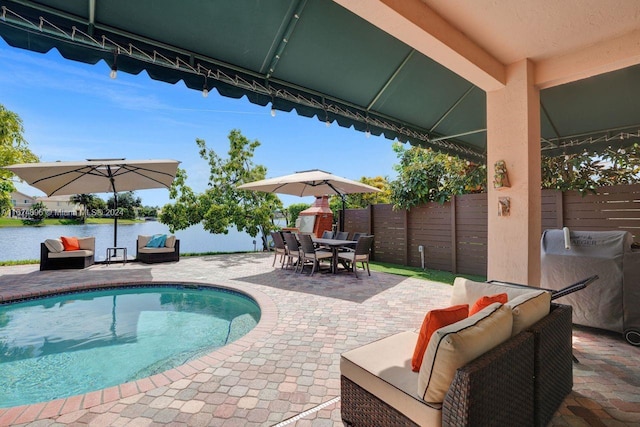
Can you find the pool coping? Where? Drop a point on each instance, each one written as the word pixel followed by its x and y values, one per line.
pixel 44 410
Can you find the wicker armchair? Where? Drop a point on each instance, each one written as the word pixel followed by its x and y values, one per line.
pixel 521 382
pixel 156 255
pixel 59 259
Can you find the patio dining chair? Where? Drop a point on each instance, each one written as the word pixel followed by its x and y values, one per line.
pixel 293 251
pixel 356 236
pixel 279 248
pixel 327 234
pixel 341 235
pixel 359 255
pixel 310 253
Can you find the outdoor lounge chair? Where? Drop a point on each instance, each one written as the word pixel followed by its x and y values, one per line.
pixel 170 252
pixel 359 255
pixel 54 257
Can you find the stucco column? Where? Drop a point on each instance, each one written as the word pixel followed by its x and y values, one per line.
pixel 513 135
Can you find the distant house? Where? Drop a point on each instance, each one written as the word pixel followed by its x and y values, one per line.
pixel 21 202
pixel 60 206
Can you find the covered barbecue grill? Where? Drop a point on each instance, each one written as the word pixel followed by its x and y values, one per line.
pixel 613 302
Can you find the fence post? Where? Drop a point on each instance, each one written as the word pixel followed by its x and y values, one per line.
pixel 454 237
pixel 405 225
pixel 559 210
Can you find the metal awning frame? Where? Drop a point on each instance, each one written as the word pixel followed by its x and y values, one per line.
pixel 282 95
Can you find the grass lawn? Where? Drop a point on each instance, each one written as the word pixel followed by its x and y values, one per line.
pixel 418 273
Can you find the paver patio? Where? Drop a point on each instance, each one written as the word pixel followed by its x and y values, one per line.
pixel 286 371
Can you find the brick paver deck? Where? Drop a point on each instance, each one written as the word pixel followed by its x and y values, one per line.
pixel 286 371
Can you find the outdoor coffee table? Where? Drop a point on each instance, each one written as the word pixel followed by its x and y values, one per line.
pixel 112 252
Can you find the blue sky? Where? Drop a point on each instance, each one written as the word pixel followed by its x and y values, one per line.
pixel 74 111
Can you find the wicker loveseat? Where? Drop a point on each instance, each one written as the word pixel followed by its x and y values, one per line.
pixel 54 257
pixel 521 381
pixel 169 252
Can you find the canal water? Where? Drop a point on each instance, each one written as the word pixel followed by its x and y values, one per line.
pixel 20 243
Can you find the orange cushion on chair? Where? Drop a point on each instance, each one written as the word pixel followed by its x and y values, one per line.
pixel 70 243
pixel 434 320
pixel 486 301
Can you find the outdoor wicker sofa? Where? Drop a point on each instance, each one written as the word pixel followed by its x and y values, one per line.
pixel 54 257
pixel 169 252
pixel 521 381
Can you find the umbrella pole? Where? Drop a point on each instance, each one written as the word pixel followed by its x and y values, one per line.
pixel 115 221
pixel 115 203
pixel 342 213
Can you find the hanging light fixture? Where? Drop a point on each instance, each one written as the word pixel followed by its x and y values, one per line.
pixel 114 67
pixel 273 108
pixel 205 89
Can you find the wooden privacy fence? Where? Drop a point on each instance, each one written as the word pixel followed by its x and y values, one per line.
pixel 454 235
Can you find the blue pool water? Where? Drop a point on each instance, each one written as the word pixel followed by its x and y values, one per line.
pixel 74 343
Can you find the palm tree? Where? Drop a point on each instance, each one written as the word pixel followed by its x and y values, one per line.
pixel 84 200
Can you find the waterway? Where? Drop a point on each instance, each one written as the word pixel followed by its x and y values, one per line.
pixel 20 243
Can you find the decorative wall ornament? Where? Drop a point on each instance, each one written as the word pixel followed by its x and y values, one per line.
pixel 504 206
pixel 500 177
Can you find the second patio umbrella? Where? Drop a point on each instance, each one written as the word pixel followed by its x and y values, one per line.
pixel 97 176
pixel 311 183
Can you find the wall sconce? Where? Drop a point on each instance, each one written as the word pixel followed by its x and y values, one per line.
pixel 504 206
pixel 500 176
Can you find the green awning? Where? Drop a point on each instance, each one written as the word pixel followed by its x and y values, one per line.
pixel 311 56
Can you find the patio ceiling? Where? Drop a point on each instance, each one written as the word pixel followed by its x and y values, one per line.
pixel 318 58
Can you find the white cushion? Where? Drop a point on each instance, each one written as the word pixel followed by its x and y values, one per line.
pixel 143 240
pixel 455 345
pixel 383 368
pixel 87 243
pixel 145 250
pixel 71 254
pixel 54 245
pixel 528 309
pixel 466 291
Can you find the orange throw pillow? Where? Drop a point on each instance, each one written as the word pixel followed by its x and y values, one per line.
pixel 434 320
pixel 70 243
pixel 486 301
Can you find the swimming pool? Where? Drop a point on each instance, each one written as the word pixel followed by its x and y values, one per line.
pixel 63 345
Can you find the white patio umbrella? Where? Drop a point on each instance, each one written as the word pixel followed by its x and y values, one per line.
pixel 97 176
pixel 311 183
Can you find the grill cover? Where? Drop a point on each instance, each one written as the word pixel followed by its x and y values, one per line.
pixel 601 304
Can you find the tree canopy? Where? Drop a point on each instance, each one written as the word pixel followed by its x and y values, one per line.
pixel 13 149
pixel 86 201
pixel 293 212
pixel 223 205
pixel 584 172
pixel 428 176
pixel 128 203
pixel 425 175
pixel 363 200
